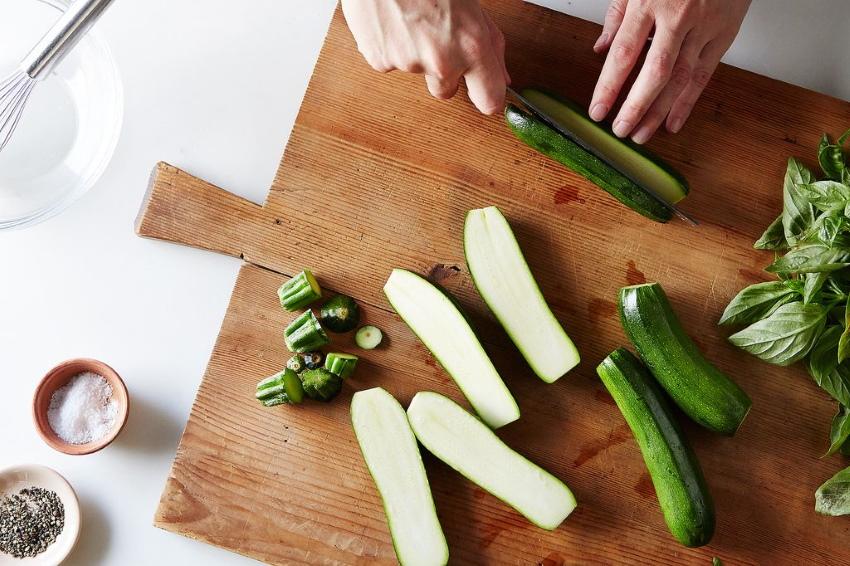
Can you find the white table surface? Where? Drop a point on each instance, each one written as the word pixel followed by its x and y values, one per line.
pixel 213 87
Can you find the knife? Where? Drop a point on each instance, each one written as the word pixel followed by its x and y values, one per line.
pixel 589 147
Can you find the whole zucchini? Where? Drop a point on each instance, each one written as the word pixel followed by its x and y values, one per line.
pixel 701 390
pixel 676 474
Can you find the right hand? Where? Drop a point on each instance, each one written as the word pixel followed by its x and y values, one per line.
pixel 444 39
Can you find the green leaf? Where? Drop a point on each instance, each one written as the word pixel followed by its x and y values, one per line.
pixel 831 157
pixel 833 497
pixel 844 340
pixel 839 431
pixel 773 238
pixel 785 336
pixel 811 258
pixel 814 282
pixel 828 196
pixel 797 214
pixel 755 302
pixel 716 562
pixel 823 366
pixel 831 230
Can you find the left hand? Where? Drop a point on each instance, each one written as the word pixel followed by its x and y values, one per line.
pixel 689 38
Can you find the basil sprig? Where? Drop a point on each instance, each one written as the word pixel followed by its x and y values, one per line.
pixel 805 314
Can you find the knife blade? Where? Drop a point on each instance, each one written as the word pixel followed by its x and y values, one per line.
pixel 589 147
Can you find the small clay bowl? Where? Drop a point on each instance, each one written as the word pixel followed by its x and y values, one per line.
pixel 61 375
pixel 13 480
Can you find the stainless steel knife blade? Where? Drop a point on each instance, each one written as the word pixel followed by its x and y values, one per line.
pixel 587 146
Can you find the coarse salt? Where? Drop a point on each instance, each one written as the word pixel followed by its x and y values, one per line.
pixel 83 410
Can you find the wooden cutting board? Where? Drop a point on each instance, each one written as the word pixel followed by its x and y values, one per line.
pixel 379 175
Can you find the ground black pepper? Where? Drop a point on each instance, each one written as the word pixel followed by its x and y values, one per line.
pixel 30 521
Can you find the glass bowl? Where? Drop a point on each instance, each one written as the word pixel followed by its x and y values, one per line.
pixel 70 127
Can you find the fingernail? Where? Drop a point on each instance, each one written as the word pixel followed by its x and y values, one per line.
pixel 598 111
pixel 642 135
pixel 622 128
pixel 603 39
pixel 676 125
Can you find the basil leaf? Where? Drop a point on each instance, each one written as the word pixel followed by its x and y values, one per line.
pixel 716 562
pixel 844 340
pixel 774 237
pixel 839 431
pixel 755 302
pixel 814 282
pixel 832 377
pixel 830 230
pixel 798 213
pixel 811 258
pixel 833 497
pixel 828 196
pixel 831 157
pixel 785 336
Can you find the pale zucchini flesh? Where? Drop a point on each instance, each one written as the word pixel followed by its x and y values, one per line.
pixel 460 440
pixel 505 282
pixel 438 323
pixel 393 459
pixel 647 172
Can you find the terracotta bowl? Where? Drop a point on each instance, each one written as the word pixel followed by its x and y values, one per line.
pixel 14 479
pixel 61 375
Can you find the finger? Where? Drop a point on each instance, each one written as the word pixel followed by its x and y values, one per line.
pixel 486 84
pixel 498 40
pixel 624 52
pixel 613 19
pixel 700 77
pixel 441 88
pixel 653 77
pixel 679 79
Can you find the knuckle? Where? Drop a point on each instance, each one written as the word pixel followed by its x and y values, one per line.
pixel 701 77
pixel 623 54
pixel 474 43
pixel 616 9
pixel 634 110
pixel 661 65
pixel 680 76
pixel 441 68
pixel 683 11
pixel 606 92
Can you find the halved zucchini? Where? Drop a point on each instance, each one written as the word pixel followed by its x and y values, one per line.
pixel 444 330
pixel 503 279
pixel 637 163
pixel 393 459
pixel 463 442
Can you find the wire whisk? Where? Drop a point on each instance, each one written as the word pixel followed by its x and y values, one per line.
pixel 15 89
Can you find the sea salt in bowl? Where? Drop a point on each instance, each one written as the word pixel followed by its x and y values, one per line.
pixel 60 376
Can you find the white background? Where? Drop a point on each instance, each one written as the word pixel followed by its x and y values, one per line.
pixel 214 87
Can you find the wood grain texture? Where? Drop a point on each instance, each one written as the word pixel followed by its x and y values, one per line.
pixel 378 175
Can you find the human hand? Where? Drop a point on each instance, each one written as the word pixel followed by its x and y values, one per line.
pixel 689 38
pixel 444 39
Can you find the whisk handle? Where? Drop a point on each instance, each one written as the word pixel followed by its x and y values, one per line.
pixel 64 34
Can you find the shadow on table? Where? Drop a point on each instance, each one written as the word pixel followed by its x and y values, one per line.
pixel 149 429
pixel 94 536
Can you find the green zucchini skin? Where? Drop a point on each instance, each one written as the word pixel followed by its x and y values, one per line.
pixel 702 391
pixel 676 474
pixel 637 148
pixel 538 135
